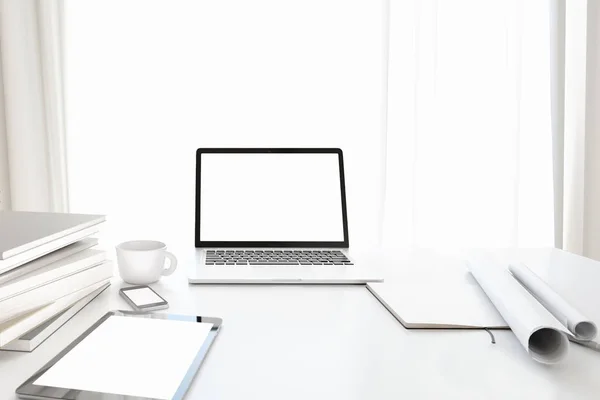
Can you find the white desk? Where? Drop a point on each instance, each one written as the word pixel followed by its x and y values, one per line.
pixel 323 342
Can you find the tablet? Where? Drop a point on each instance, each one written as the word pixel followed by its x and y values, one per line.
pixel 127 355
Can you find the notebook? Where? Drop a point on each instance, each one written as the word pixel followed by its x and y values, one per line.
pixel 438 294
pixel 33 254
pixel 52 272
pixel 21 231
pixel 64 310
pixel 22 303
pixel 48 259
pixel 45 316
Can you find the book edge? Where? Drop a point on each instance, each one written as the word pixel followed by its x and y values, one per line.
pixel 28 345
pixel 6 254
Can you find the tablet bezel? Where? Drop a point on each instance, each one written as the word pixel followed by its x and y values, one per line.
pixel 29 390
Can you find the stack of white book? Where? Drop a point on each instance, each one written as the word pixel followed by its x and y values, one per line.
pixel 50 269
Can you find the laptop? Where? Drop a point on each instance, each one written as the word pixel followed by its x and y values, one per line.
pixel 273 216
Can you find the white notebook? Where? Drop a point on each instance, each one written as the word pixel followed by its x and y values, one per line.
pixel 437 298
pixel 48 259
pixel 13 329
pixel 46 248
pixel 21 231
pixel 52 272
pixel 21 304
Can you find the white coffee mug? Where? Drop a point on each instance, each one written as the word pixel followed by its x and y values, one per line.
pixel 142 262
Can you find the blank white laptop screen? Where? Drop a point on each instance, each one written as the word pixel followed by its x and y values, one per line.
pixel 270 197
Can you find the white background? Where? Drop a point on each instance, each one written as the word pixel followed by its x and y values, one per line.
pixel 271 197
pixel 150 81
pixel 468 147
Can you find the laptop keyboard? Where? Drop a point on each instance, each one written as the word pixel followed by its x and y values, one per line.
pixel 276 257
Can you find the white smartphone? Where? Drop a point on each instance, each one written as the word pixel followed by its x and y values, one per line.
pixel 143 298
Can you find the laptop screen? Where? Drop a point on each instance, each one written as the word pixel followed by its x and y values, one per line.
pixel 270 198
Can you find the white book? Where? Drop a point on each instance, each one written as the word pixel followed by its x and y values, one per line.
pixel 32 339
pixel 18 305
pixel 21 231
pixel 47 259
pixel 35 253
pixel 17 327
pixel 52 272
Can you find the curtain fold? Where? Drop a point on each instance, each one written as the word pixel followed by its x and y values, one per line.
pixel 31 45
pixel 582 129
pixel 557 87
pixel 591 244
pixel 469 125
pixel 581 213
pixel 4 175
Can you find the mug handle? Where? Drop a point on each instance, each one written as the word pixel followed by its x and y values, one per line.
pixel 172 264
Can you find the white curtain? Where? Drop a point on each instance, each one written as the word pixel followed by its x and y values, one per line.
pixel 469 141
pixel 581 217
pixel 33 171
pixel 460 140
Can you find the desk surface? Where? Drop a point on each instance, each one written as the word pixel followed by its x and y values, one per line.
pixel 332 342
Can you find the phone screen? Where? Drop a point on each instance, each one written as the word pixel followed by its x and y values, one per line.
pixel 143 296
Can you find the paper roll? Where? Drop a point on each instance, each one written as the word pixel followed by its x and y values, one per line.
pixel 536 329
pixel 580 326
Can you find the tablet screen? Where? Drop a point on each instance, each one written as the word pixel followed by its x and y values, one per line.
pixel 130 356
